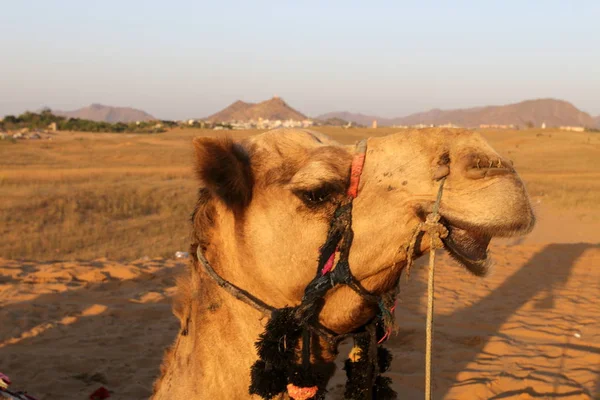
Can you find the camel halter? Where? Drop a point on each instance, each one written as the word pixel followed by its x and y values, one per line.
pixel 279 368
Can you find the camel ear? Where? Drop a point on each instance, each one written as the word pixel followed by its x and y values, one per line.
pixel 223 166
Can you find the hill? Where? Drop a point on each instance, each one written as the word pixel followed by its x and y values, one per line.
pixel 357 118
pixel 273 109
pixel 102 113
pixel 551 111
pixel 335 121
pixel 597 121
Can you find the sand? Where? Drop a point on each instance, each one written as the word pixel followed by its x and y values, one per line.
pixel 529 330
pixel 68 328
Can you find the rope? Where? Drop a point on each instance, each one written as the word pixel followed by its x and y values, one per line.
pixel 436 232
pixel 429 329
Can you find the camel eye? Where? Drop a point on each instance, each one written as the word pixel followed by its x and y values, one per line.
pixel 320 195
pixel 315 196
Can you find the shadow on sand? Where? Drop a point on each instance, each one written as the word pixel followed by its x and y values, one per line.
pixel 474 326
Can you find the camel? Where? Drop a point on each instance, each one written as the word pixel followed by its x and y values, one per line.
pixel 263 212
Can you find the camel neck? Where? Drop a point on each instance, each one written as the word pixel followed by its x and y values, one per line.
pixel 213 360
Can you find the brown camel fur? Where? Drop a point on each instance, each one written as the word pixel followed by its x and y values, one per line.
pixel 263 212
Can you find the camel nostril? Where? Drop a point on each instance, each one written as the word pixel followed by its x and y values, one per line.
pixel 441 171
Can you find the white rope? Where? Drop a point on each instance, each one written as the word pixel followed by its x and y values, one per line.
pixel 429 328
pixel 436 232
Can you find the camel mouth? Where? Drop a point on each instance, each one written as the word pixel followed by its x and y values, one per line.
pixel 468 248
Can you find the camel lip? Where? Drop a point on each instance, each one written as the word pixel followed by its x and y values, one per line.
pixel 511 229
pixel 479 173
pixel 469 248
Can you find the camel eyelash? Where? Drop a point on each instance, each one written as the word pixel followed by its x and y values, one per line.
pixel 319 195
pixel 315 196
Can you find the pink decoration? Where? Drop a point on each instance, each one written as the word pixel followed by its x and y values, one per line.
pixel 329 264
pixel 301 393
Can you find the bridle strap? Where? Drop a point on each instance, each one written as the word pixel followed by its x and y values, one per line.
pixel 356 169
pixel 235 291
pixel 254 302
pixel 339 239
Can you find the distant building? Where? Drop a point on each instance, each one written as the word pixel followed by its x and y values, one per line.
pixel 268 124
pixel 448 125
pixel 572 128
pixel 374 125
pixel 496 126
pixel 422 126
pixel 543 125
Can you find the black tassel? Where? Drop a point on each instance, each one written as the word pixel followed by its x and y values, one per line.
pixel 278 363
pixel 360 373
pixel 383 390
pixel 275 347
pixel 384 359
pixel 316 375
pixel 278 342
pixel 267 382
pixel 358 379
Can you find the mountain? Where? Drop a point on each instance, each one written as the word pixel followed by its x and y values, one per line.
pixel 597 121
pixel 551 111
pixel 102 113
pixel 356 118
pixel 272 109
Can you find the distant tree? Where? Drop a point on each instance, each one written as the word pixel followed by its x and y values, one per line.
pixel 11 119
pixel 120 127
pixel 42 120
pixel 529 124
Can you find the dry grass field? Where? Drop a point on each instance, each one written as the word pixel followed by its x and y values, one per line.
pixel 90 224
pixel 84 196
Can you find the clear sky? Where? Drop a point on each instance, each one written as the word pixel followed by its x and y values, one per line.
pixel 182 59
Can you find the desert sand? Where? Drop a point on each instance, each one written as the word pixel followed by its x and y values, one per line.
pixel 530 330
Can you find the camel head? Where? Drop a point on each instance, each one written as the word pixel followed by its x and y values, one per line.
pixel 266 204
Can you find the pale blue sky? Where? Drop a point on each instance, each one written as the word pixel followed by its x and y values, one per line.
pixel 178 59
